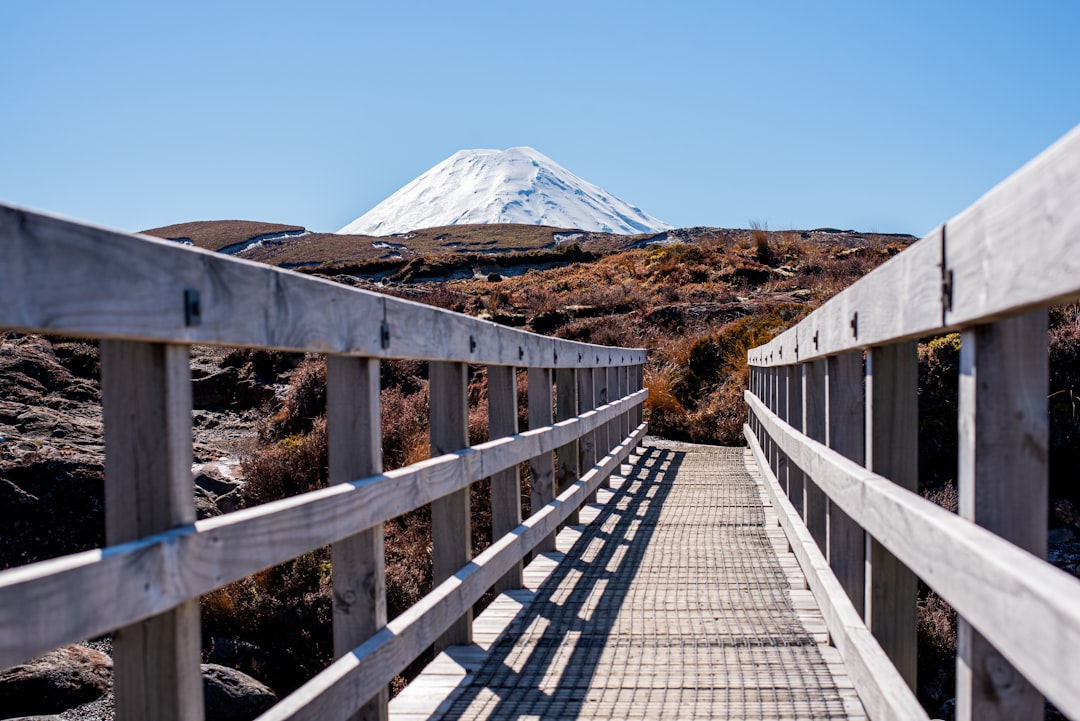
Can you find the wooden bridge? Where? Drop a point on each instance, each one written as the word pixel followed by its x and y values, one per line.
pixel 773 582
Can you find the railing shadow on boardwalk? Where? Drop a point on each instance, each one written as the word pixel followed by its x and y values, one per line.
pixel 516 681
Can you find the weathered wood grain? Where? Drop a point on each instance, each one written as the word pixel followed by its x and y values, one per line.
pixel 1002 485
pixel 1015 248
pixel 51 275
pixel 505 485
pixel 351 680
pixel 867 313
pixel 846 404
pixel 892 432
pixel 48 604
pixel 451 520
pixel 146 399
pixel 542 466
pixel 1024 606
pixel 353 420
pixel 882 690
pixel 796 478
pixel 566 393
pixel 587 441
pixel 815 423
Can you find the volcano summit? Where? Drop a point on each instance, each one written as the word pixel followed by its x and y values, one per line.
pixel 519 185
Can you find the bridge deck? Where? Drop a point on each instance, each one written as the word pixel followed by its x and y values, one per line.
pixel 678 599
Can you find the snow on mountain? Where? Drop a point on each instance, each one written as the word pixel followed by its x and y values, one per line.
pixel 519 185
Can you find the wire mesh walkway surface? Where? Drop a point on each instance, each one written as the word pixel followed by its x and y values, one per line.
pixel 678 599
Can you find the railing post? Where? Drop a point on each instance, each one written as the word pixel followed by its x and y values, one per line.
pixel 796 477
pixel 815 501
pixel 603 433
pixel 542 467
pixel 612 396
pixel 624 390
pixel 357 563
pixel 146 398
pixel 774 406
pixel 1003 445
pixel 587 443
pixel 639 384
pixel 451 537
pixel 566 407
pixel 892 444
pixel 783 467
pixel 847 436
pixel 505 485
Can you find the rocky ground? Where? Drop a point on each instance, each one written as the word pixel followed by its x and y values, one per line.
pixel 51 496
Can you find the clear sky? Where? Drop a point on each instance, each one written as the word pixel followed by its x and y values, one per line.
pixel 884 116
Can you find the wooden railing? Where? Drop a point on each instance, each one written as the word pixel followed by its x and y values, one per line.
pixel 147 301
pixel 834 421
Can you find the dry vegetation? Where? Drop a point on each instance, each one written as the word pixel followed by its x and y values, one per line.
pixel 218 234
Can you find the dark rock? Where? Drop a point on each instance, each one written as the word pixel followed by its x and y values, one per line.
pixel 231 695
pixel 241 655
pixel 211 480
pixel 205 507
pixel 1064 514
pixel 229 502
pixel 58 681
pixel 216 390
pixel 494 278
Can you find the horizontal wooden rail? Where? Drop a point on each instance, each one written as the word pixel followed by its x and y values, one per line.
pixel 63 277
pixel 1027 608
pixel 881 688
pixel 45 605
pixel 353 679
pixel 1013 250
pixel 147 301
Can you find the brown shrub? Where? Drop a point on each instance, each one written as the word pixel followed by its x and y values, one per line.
pixel 306 401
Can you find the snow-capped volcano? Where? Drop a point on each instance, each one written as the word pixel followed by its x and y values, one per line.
pixel 518 185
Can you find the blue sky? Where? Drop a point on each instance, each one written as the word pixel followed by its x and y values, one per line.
pixel 870 115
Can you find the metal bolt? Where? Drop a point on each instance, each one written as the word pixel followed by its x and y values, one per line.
pixel 192 307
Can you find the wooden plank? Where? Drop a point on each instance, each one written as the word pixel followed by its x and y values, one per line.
pixel 566 393
pixel 451 526
pixel 783 396
pixel 541 467
pixel 587 442
pixel 815 423
pixel 51 275
pixel 847 427
pixel 796 478
pixel 1003 449
pixel 146 399
pixel 881 689
pixel 351 680
pixel 892 432
pixel 612 387
pixel 51 603
pixel 604 441
pixel 357 563
pixel 1014 248
pixel 865 313
pixel 1024 606
pixel 505 485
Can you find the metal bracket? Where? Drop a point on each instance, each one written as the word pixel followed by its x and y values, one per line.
pixel 947 290
pixel 855 325
pixel 384 335
pixel 192 307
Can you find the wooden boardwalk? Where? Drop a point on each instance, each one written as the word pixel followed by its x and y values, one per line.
pixel 677 598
